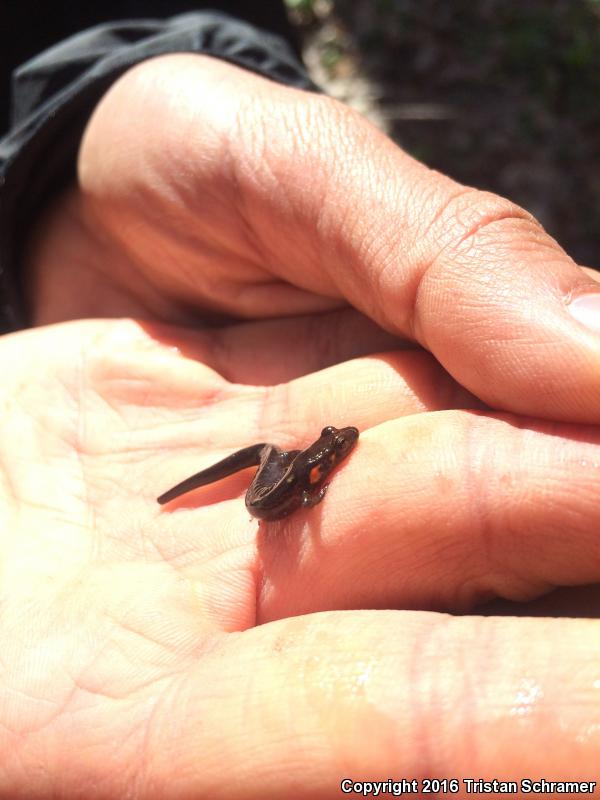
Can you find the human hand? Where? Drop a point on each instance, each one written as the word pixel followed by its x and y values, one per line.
pixel 133 661
pixel 400 526
pixel 205 190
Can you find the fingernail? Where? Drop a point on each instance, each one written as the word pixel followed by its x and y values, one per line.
pixel 586 309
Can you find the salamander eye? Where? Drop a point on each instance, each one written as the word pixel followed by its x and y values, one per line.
pixel 328 430
pixel 341 443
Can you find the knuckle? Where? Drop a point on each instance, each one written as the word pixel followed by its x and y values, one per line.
pixel 475 219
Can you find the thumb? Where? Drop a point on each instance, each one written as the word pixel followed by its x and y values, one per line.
pixel 341 210
pixel 330 206
pixel 467 274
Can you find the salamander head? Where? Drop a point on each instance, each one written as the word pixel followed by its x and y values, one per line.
pixel 340 440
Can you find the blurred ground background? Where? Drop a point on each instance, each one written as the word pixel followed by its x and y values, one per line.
pixel 499 94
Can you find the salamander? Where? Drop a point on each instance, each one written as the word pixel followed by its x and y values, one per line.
pixel 285 480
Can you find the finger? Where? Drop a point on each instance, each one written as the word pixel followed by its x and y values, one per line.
pixel 566 601
pixel 154 366
pixel 442 511
pixel 345 213
pixel 267 352
pixel 173 411
pixel 303 703
pixel 484 492
pixel 592 273
pixel 363 392
pixel 204 418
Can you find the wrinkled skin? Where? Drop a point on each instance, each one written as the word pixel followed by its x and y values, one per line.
pixel 375 293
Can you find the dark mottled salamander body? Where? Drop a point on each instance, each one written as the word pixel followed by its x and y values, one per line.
pixel 285 480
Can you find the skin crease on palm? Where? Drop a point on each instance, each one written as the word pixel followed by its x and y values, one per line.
pixel 188 651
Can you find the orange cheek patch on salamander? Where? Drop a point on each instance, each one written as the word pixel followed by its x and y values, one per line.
pixel 315 475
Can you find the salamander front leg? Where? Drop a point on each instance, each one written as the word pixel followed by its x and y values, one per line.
pixel 310 499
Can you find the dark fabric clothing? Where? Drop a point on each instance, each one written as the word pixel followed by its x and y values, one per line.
pixel 28 28
pixel 54 94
